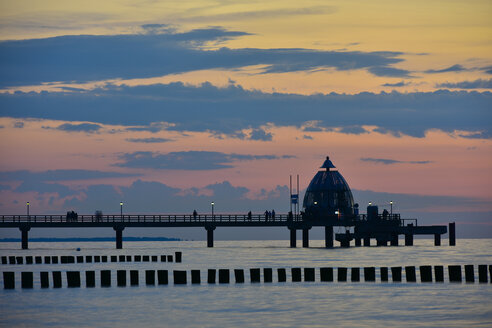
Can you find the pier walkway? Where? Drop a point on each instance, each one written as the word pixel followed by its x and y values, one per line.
pixel 210 222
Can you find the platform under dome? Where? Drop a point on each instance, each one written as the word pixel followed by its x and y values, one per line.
pixel 327 193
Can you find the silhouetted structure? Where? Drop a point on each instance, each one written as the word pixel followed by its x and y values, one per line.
pixel 328 195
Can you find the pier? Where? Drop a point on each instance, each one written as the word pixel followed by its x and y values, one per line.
pixel 394 226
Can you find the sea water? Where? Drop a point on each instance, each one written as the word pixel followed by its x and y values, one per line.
pixel 286 304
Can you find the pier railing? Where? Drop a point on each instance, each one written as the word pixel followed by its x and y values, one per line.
pixel 190 218
pixel 164 218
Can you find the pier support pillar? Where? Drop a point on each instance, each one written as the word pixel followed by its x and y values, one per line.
pixel 394 240
pixel 367 241
pixel 210 236
pixel 119 236
pixel 409 239
pixel 24 240
pixel 452 234
pixel 293 241
pixel 437 239
pixel 358 242
pixel 305 237
pixel 381 242
pixel 329 237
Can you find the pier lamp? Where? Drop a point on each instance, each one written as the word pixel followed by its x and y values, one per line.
pixel 337 213
pixel 370 203
pixel 121 209
pixel 27 206
pixel 391 207
pixel 212 203
pixel 315 203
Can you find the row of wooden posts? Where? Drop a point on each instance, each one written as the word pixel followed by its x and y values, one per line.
pixel 180 277
pixel 89 259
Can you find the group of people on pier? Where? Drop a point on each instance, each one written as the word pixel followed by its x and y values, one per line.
pixel 269 215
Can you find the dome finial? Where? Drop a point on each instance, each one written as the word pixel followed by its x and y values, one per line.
pixel 328 164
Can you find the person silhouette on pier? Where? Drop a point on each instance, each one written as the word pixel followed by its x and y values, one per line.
pixel 249 216
pixel 266 215
pixel 194 214
pixel 273 215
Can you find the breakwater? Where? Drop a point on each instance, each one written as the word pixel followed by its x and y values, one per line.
pixel 104 278
pixel 89 259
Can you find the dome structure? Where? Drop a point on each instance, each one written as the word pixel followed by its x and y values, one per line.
pixel 328 194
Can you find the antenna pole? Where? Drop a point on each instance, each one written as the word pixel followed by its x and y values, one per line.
pixel 298 194
pixel 290 199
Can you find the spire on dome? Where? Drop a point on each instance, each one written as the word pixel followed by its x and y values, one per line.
pixel 328 164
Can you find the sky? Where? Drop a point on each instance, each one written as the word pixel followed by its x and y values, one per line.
pixel 169 105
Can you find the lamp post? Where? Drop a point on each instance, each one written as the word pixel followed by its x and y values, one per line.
pixel 391 207
pixel 121 209
pixel 337 213
pixel 212 203
pixel 27 206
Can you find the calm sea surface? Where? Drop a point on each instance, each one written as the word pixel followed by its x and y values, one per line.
pixel 289 304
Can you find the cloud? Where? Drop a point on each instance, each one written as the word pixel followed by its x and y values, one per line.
pixel 398 84
pixel 148 140
pixel 46 182
pixel 389 71
pixel 158 28
pixel 155 197
pixel 187 160
pixel 353 130
pixel 5 187
pixel 475 135
pixel 487 69
pixel 82 127
pixel 391 161
pixel 477 84
pixel 60 175
pixel 43 187
pixel 18 125
pixel 429 209
pixel 312 126
pixel 82 58
pixel 308 137
pixel 230 110
pixel 259 14
pixel 260 134
pixel 152 127
pixel 454 68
